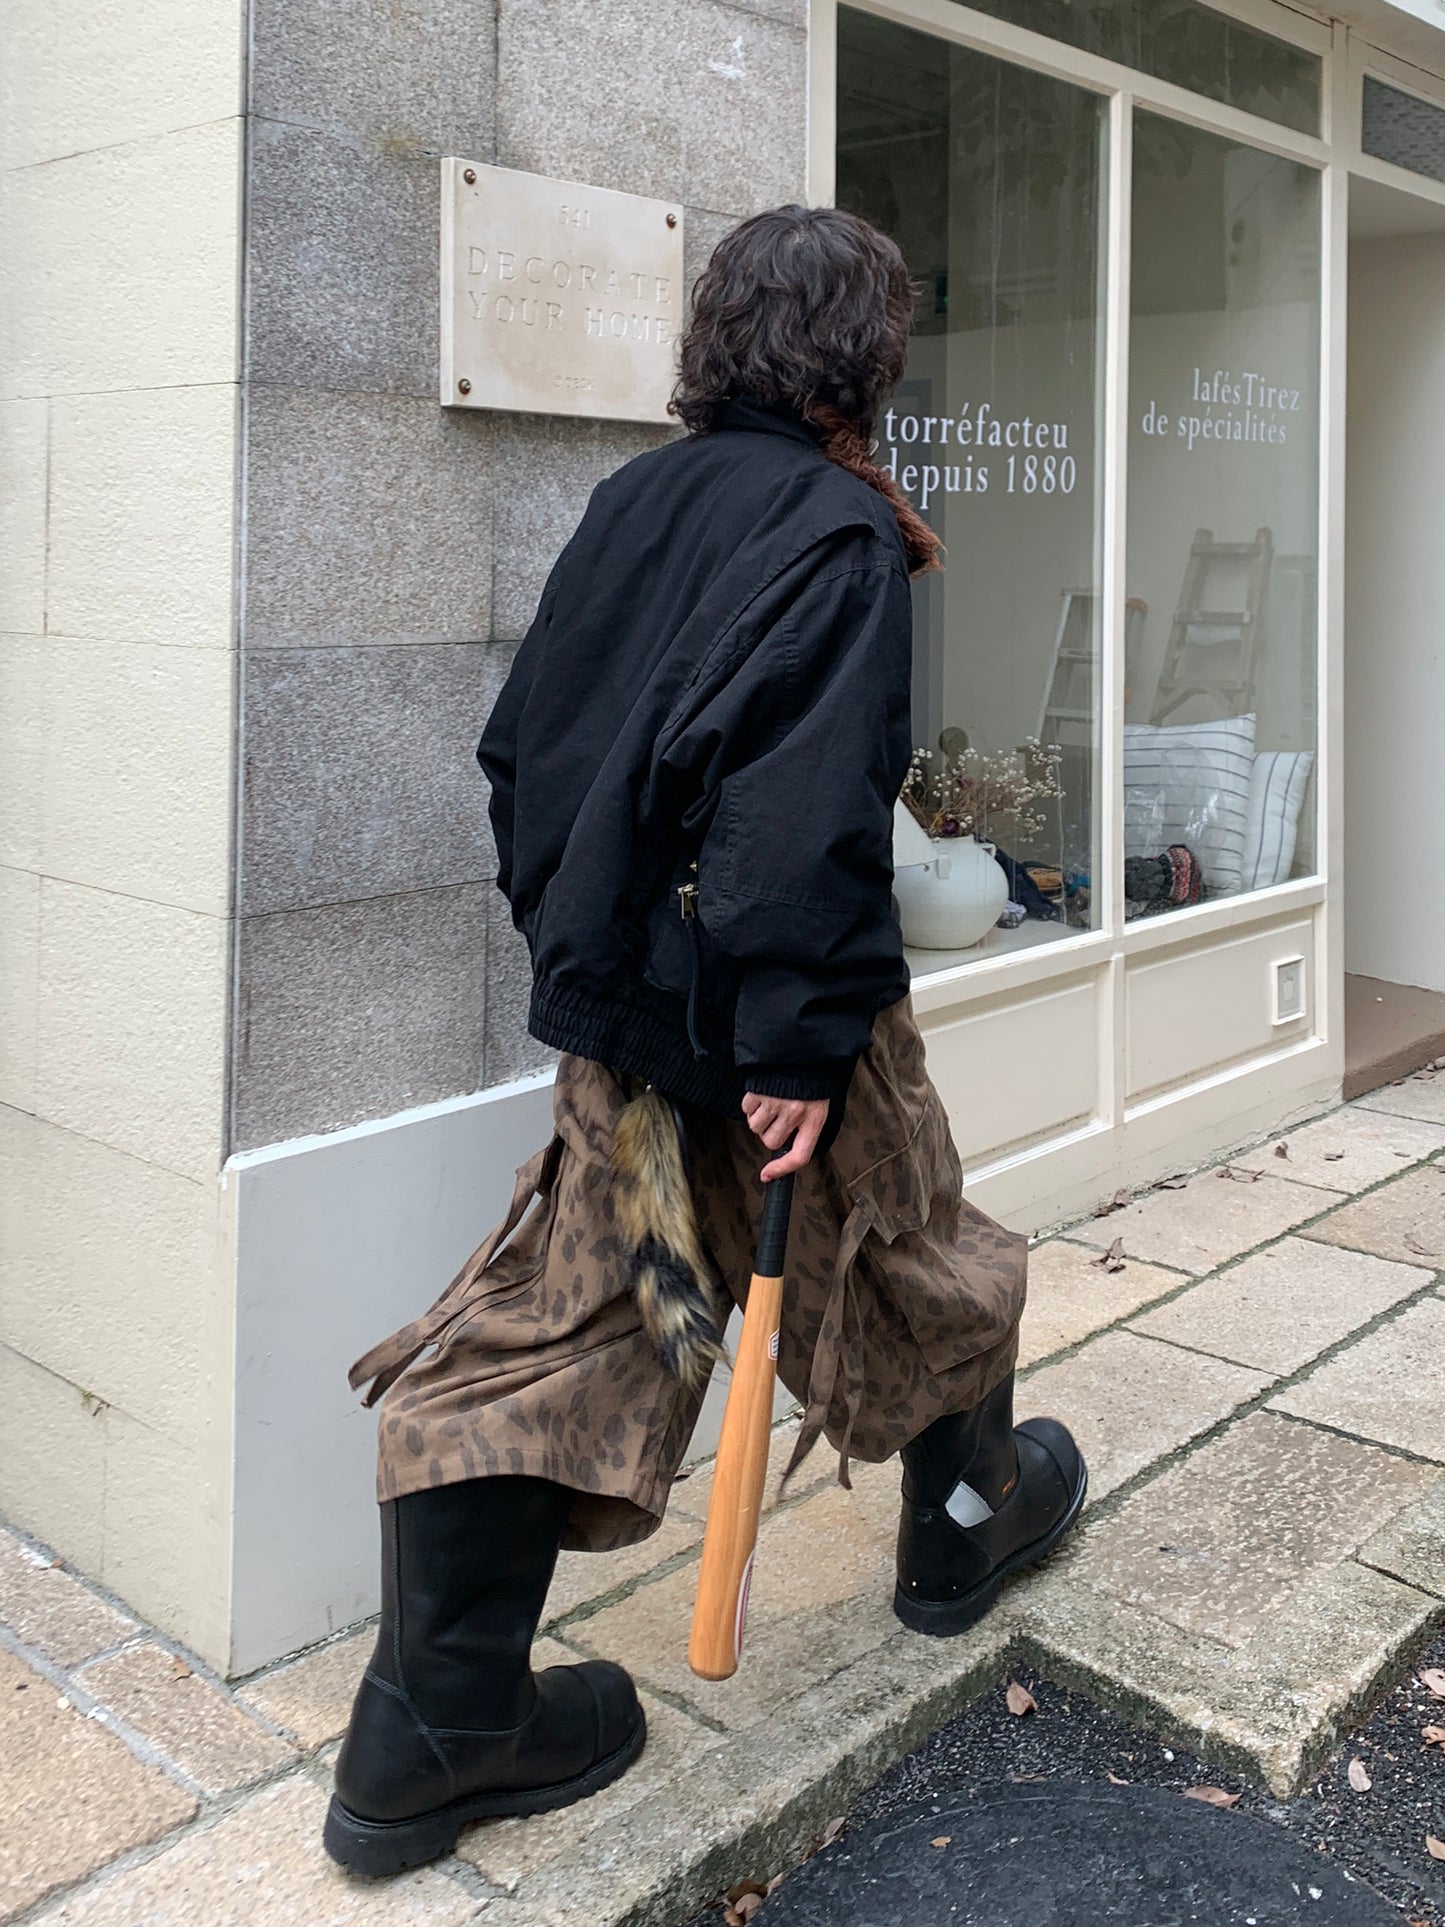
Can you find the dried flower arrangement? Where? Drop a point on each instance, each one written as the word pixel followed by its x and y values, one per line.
pixel 970 788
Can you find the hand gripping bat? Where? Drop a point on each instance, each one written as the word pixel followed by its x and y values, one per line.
pixel 742 1456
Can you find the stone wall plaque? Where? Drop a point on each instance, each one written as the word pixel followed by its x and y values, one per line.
pixel 557 299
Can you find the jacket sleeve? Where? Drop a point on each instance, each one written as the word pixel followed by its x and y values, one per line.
pixel 497 750
pixel 795 873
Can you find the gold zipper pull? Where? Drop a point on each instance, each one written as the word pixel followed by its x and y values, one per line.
pixel 687 900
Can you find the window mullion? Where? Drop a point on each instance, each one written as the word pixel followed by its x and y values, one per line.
pixel 1109 797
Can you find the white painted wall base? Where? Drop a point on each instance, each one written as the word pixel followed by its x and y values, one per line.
pixel 339 1240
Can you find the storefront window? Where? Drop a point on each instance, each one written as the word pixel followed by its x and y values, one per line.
pixel 1186 44
pixel 1220 711
pixel 989 177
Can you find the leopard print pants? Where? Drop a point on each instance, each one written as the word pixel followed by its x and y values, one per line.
pixel 901 1304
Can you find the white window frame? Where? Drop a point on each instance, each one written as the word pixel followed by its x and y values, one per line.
pixel 1362 59
pixel 1112 943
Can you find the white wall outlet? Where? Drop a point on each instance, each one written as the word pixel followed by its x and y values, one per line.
pixel 1289 989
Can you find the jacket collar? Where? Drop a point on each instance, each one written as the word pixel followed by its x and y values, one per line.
pixel 741 411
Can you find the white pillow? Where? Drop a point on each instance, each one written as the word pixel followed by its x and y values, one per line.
pixel 1190 783
pixel 1275 795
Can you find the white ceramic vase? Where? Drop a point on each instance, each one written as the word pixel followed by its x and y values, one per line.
pixel 954 899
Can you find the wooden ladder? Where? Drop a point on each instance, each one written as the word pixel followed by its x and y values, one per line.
pixel 1069 698
pixel 1213 648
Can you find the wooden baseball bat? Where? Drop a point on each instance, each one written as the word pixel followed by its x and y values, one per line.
pixel 742 1455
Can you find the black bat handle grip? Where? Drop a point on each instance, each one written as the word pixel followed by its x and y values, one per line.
pixel 773 1237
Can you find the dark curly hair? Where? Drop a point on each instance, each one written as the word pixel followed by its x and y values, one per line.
pixel 806 309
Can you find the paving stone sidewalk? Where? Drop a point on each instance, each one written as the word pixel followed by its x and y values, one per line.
pixel 1257 1388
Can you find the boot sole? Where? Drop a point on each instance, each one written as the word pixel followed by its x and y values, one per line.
pixel 942 1618
pixel 373 1849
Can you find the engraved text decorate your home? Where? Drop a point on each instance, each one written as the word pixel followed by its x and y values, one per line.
pixel 557 299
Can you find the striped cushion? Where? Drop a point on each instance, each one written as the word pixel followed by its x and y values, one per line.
pixel 1190 783
pixel 1275 796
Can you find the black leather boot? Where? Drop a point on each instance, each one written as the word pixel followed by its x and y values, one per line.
pixel 981 1499
pixel 451 1724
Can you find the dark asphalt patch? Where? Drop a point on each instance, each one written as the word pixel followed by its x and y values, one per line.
pixel 1376 1836
pixel 1073 1856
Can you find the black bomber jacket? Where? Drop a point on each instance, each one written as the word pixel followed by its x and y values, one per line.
pixel 694 762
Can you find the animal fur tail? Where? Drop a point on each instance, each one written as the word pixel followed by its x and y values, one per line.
pixel 655 1214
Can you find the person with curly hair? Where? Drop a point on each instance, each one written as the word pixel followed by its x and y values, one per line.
pixel 693 768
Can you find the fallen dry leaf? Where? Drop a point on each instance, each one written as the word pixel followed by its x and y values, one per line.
pixel 1433 1680
pixel 942 1840
pixel 1173 1184
pixel 1114 1780
pixel 745 1890
pixel 744 1898
pixel 1332 1157
pixel 1212 1796
pixel 1433 1735
pixel 1019 1699
pixel 179 1668
pixel 1435 1848
pixel 1113 1258
pixel 1412 1243
pixel 776 1882
pixel 1028 1779
pixel 1358 1776
pixel 1116 1203
pixel 833 1829
pixel 1281 1150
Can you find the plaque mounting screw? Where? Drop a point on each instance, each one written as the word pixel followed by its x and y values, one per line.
pixel 469 175
pixel 465 386
pixel 672 220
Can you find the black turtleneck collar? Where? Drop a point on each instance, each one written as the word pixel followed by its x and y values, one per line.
pixel 741 411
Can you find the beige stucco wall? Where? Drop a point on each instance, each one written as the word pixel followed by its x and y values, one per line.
pixel 1395 586
pixel 120 208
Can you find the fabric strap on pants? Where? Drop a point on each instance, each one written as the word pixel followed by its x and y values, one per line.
pixel 832 1349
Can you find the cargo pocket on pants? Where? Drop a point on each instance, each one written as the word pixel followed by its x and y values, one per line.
pixel 386 1362
pixel 954 1277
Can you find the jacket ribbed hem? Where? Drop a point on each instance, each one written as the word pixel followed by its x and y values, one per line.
pixel 647 1042
pixel 651 1042
pixel 829 1077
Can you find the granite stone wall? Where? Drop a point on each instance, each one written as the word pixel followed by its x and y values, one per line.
pixel 392 552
